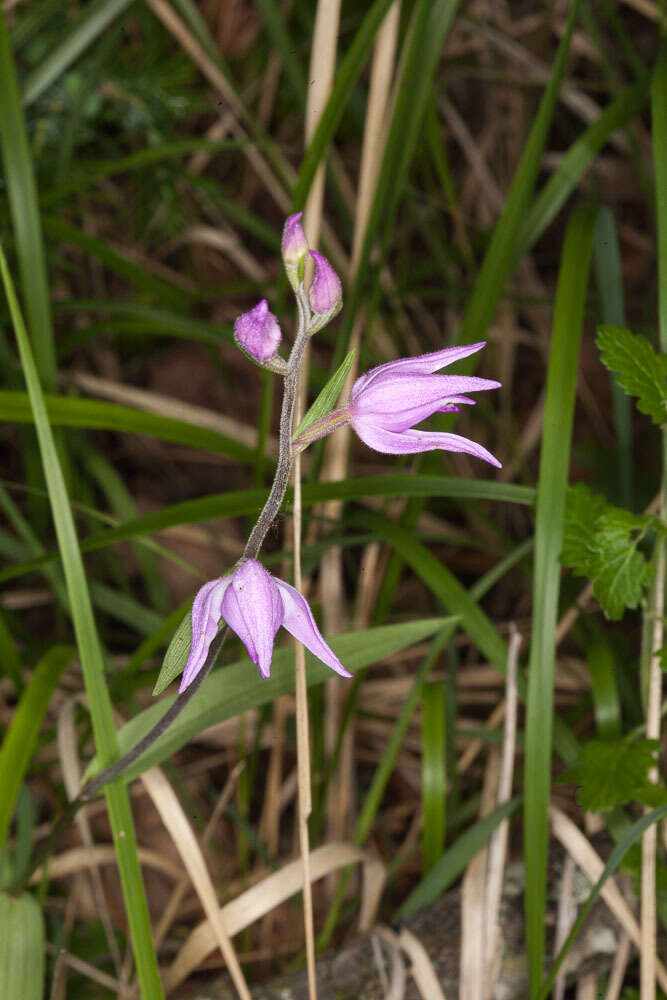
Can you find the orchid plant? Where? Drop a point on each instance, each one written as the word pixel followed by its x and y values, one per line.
pixel 383 408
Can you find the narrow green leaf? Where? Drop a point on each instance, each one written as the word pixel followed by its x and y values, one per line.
pixel 620 850
pixel 176 655
pixel 433 773
pixel 248 502
pixel 21 948
pixel 19 180
pixel 89 25
pixel 640 371
pixel 238 688
pixel 328 397
pixel 92 661
pixel 454 861
pixel 95 414
pixel 576 161
pixel 21 736
pixel 550 519
pixel 162 290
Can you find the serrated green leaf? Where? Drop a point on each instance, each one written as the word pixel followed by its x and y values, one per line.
pixel 582 512
pixel 622 571
pixel 639 369
pixel 598 543
pixel 610 774
pixel 328 397
pixel 21 948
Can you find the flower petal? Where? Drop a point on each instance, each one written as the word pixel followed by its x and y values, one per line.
pixel 401 401
pixel 298 620
pixel 205 618
pixel 411 442
pixel 423 364
pixel 251 608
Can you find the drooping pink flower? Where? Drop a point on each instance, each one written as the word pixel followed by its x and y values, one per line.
pixel 257 332
pixel 254 604
pixel 389 400
pixel 325 292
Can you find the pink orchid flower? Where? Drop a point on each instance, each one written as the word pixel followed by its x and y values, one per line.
pixel 387 401
pixel 254 604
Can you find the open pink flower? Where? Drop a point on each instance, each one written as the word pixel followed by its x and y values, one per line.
pixel 254 604
pixel 389 400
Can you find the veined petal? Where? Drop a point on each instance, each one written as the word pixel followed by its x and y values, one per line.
pixel 251 607
pixel 298 620
pixel 205 619
pixel 423 364
pixel 400 401
pixel 411 442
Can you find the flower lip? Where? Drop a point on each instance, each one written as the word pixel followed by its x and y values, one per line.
pixel 257 332
pixel 325 290
pixel 254 605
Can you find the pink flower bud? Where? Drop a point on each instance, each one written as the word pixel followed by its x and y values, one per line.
pixel 294 244
pixel 257 332
pixel 325 292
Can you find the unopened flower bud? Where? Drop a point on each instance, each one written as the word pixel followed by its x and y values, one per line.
pixel 325 292
pixel 257 332
pixel 294 249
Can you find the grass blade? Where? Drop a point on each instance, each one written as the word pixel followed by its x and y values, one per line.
pixel 21 948
pixel 92 661
pixel 238 688
pixel 24 208
pixel 21 736
pixel 450 865
pixel 433 773
pixel 94 20
pixel 550 516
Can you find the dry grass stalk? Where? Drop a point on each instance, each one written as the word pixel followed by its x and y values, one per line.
pixel 474 898
pixel 395 984
pixel 273 890
pixel 498 845
pixel 340 801
pixel 587 858
pixel 587 987
pixel 617 974
pixel 422 969
pixel 69 762
pixel 181 887
pixel 77 859
pixel 104 980
pixel 171 812
pixel 648 946
pixel 565 917
pixel 166 406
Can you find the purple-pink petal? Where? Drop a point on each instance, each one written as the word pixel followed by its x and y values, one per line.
pixel 298 620
pixel 252 609
pixel 400 401
pixel 294 243
pixel 411 442
pixel 423 364
pixel 325 289
pixel 205 618
pixel 258 332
